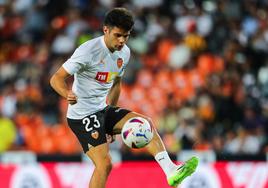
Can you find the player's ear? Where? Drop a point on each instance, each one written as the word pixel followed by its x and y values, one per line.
pixel 105 29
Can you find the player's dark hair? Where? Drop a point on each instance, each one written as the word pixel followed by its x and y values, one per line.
pixel 119 17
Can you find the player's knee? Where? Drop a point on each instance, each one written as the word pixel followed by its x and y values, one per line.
pixel 105 165
pixel 150 121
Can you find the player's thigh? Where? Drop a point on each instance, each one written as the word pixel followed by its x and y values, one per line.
pixel 113 115
pixel 119 125
pixel 100 155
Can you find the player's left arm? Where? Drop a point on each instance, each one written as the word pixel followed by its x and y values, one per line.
pixel 114 92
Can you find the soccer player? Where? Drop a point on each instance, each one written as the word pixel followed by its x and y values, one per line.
pixel 97 66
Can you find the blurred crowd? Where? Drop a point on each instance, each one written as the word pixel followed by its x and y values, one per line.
pixel 199 68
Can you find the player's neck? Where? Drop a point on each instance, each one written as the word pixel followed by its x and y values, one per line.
pixel 107 45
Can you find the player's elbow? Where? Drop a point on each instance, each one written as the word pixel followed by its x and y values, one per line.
pixel 52 81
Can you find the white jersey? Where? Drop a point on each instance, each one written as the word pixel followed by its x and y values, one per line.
pixel 94 68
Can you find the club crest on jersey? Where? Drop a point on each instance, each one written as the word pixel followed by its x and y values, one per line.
pixel 119 62
pixel 95 134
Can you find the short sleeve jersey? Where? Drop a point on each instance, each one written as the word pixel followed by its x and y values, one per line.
pixel 94 68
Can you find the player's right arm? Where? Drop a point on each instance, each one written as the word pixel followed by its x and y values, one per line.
pixel 58 83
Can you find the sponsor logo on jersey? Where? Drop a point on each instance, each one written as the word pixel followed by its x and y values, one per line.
pixel 106 76
pixel 119 62
pixel 102 76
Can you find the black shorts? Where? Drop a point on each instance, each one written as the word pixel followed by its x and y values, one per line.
pixel 92 129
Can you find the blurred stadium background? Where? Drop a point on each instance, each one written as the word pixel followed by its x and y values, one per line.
pixel 198 68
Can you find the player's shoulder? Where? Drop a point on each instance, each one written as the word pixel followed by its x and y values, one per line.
pixel 91 46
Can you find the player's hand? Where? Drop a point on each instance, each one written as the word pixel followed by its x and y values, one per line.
pixel 71 98
pixel 110 138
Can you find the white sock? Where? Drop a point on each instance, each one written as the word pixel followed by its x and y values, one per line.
pixel 165 163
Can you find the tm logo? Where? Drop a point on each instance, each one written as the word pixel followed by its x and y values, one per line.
pixel 102 76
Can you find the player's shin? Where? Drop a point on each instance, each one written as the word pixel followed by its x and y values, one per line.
pixel 165 163
pixel 157 149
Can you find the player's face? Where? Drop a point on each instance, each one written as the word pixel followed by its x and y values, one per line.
pixel 115 38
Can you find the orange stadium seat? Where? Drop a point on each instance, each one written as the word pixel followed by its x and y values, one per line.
pixel 163 50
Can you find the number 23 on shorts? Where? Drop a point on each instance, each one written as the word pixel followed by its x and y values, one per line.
pixel 87 121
